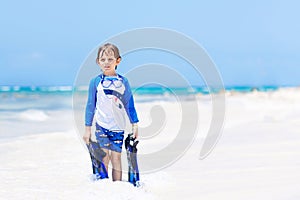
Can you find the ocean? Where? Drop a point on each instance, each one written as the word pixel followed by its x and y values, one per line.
pixel 33 109
pixel 138 91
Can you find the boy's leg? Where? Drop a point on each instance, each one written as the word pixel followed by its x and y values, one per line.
pixel 106 158
pixel 117 167
pixel 102 139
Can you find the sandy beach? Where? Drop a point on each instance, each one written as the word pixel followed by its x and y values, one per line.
pixel 257 157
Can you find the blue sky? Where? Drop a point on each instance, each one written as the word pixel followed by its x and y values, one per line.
pixel 251 42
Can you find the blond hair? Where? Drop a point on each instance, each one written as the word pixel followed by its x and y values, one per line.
pixel 108 48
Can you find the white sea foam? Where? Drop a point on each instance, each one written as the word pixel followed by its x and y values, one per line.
pixel 4 88
pixel 33 115
pixel 57 88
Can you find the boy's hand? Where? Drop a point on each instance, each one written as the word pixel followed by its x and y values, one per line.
pixel 87 136
pixel 135 130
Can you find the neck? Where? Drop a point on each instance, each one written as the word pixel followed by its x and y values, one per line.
pixel 110 73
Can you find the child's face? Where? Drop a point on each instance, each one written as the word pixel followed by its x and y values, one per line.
pixel 108 63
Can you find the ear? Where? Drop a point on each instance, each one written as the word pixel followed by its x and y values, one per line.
pixel 97 61
pixel 118 60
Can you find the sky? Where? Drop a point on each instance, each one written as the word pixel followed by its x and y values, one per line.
pixel 252 43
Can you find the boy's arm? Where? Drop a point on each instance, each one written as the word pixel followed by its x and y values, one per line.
pixel 130 108
pixel 90 111
pixel 91 104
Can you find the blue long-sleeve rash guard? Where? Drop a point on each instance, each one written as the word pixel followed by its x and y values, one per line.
pixel 126 98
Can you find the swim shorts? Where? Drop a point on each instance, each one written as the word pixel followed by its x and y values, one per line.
pixel 111 140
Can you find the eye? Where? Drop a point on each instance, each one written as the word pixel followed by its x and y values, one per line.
pixel 110 59
pixel 102 60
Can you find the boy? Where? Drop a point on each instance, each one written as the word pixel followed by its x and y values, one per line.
pixel 109 95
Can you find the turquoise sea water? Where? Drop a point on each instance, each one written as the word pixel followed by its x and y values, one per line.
pixel 138 91
pixel 20 98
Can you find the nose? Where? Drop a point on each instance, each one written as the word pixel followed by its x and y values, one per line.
pixel 106 62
